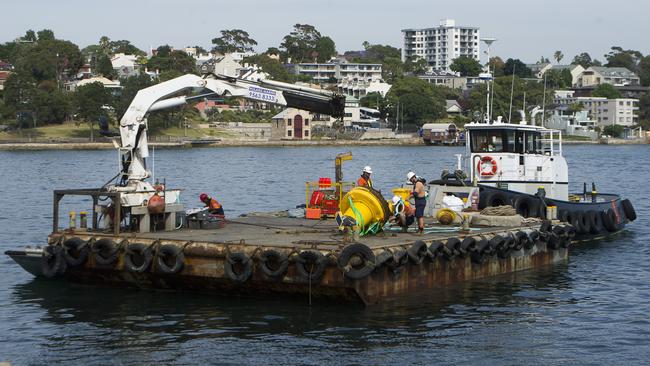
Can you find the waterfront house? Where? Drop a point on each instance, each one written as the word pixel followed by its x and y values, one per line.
pixel 291 124
pixel 616 76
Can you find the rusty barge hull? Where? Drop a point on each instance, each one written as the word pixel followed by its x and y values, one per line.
pixel 231 261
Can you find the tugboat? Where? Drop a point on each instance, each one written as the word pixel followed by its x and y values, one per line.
pixel 522 165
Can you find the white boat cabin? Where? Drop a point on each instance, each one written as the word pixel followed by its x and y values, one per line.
pixel 517 157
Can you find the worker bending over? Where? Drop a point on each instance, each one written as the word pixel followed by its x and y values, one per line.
pixel 214 207
pixel 403 213
pixel 419 195
pixel 365 181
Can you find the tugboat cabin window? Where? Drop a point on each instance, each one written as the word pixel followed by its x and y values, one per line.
pixel 508 141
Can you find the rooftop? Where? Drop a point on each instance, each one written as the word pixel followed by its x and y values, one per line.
pixel 613 71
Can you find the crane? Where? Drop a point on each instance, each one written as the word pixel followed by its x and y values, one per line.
pixel 133 147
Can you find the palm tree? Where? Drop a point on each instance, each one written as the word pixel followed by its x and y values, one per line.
pixel 558 56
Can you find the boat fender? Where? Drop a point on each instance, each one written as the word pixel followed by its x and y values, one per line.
pixel 609 219
pixel 75 251
pixel 585 223
pixel 310 264
pixel 526 206
pixel 570 231
pixel 482 251
pixel 170 258
pixel 596 222
pixel 533 238
pixel 573 218
pixel 398 260
pixel 105 252
pixel 238 266
pixel 137 257
pixel 273 264
pixel 553 242
pixel 357 261
pixel 507 246
pixel 521 240
pixel 546 226
pixel 435 249
pixel 496 242
pixel 468 245
pixel 382 258
pixel 52 261
pixel 563 215
pixel 453 244
pixel 418 252
pixel 495 199
pixel 559 230
pixel 628 209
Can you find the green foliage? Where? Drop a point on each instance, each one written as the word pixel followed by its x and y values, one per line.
pixel 644 71
pixel 644 110
pixel 419 101
pixel 105 67
pixel 558 79
pixel 376 101
pixel 271 66
pixel 558 56
pixel 51 106
pixel 306 44
pixel 125 47
pixel 45 35
pixel 613 130
pixel 19 93
pixel 167 60
pixel 466 66
pixel 47 59
pixel 497 66
pixel 234 40
pixel 416 66
pixel 517 67
pixel 89 101
pixel 30 36
pixel 576 107
pixel 584 60
pixel 606 90
pixel 619 57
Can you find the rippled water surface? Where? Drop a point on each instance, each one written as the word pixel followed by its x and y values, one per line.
pixel 593 310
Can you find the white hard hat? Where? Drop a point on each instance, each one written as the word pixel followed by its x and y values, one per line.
pixel 367 169
pixel 396 199
pixel 410 175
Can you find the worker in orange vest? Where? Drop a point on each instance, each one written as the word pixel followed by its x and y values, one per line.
pixel 364 180
pixel 214 207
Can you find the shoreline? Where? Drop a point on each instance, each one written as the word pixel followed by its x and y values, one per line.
pixel 39 146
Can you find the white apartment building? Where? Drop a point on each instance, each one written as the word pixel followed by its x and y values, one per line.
pixel 439 46
pixel 352 79
pixel 621 111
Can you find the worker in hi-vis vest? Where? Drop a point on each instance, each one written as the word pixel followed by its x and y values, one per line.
pixel 364 180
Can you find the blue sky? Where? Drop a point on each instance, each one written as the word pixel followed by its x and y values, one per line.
pixel 525 29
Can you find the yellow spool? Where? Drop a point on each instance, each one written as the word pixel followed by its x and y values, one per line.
pixel 445 216
pixel 367 205
pixel 404 193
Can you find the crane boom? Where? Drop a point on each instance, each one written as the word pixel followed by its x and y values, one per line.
pixel 133 125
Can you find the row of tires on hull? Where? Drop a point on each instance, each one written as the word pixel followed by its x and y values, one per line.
pixel 138 257
pixel 355 260
pixel 358 261
pixel 585 222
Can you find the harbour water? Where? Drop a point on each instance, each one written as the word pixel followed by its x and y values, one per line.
pixel 593 310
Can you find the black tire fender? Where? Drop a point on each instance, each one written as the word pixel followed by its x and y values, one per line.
pixel 596 222
pixel 359 270
pixel 468 245
pixel 310 264
pixel 435 249
pixel 453 245
pixel 526 206
pixel 573 218
pixel 105 251
pixel 609 219
pixel 493 199
pixel 170 258
pixel 52 261
pixel 75 251
pixel 137 257
pixel 233 259
pixel 273 263
pixel 585 222
pixel 398 260
pixel 417 252
pixel 628 209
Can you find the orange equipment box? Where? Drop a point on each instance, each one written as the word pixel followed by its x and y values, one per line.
pixel 313 213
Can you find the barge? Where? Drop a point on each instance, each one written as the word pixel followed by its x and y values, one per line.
pixel 139 235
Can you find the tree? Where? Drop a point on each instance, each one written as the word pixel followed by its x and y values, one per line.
pixel 30 36
pixel 606 90
pixel 376 101
pixel 497 66
pixel 466 66
pixel 234 40
pixel 618 57
pixel 583 59
pixel 644 110
pixel 45 35
pixel 124 46
pixel 90 102
pixel 558 56
pixel 300 44
pixel 271 66
pixel 325 49
pixel 105 67
pixel 644 71
pixel 19 93
pixel 48 59
pixel 167 60
pixel 416 65
pixel 418 100
pixel 517 67
pixel 559 79
pixel 613 130
pixel 130 87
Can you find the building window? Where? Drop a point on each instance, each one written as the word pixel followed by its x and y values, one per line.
pixel 288 121
pixel 306 122
pixel 289 133
pixel 306 133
